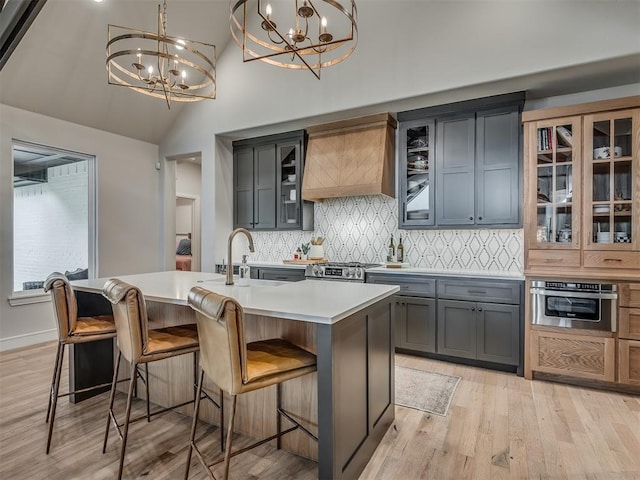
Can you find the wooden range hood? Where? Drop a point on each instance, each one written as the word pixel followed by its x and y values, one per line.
pixel 350 157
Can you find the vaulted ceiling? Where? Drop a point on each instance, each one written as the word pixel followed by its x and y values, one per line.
pixel 58 68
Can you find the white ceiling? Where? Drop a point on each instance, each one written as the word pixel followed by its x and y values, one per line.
pixel 58 69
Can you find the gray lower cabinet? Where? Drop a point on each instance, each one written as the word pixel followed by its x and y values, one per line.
pixel 483 331
pixel 416 323
pixel 458 317
pixel 480 320
pixel 415 327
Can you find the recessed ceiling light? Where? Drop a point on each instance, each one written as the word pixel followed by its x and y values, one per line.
pixel 98 1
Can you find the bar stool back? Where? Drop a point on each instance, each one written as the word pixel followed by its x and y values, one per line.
pixel 237 367
pixel 71 330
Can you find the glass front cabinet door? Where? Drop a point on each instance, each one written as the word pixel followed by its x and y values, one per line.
pixel 554 184
pixel 416 173
pixel 288 178
pixel 611 181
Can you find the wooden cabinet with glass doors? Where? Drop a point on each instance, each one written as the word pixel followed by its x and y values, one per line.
pixel 582 189
pixel 612 190
pixel 553 228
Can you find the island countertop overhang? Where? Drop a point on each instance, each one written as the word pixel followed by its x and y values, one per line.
pixel 315 301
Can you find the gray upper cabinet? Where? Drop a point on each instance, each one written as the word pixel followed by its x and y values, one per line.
pixel 264 199
pixel 475 172
pixel 498 169
pixel 254 187
pixel 455 151
pixel 243 187
pixel 266 183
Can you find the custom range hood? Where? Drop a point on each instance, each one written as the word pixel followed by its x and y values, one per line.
pixel 350 157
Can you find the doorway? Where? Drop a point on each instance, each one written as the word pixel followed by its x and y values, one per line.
pixel 187 213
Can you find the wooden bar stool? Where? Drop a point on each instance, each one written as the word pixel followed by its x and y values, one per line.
pixel 71 330
pixel 237 367
pixel 141 345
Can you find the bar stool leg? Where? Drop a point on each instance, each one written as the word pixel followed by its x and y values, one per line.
pixel 146 384
pixel 123 447
pixel 221 420
pixel 53 379
pixel 278 416
pixel 112 397
pixel 227 452
pixel 196 411
pixel 55 397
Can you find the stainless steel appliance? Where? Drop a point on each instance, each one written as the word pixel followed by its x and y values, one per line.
pixel 574 305
pixel 347 271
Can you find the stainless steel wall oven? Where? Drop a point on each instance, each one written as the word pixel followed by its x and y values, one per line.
pixel 574 305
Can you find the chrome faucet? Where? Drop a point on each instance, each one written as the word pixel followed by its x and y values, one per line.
pixel 230 258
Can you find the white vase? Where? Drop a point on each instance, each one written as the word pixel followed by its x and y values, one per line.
pixel 316 252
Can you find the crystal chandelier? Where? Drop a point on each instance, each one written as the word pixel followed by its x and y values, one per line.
pixel 316 34
pixel 161 66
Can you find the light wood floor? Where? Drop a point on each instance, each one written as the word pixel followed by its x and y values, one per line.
pixel 499 426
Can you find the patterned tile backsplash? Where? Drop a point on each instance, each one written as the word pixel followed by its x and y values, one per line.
pixel 359 228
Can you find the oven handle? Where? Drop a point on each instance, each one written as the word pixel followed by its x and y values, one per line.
pixel 556 293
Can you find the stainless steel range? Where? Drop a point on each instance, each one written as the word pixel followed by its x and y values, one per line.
pixel 347 271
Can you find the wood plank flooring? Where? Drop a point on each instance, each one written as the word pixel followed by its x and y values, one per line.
pixel 499 426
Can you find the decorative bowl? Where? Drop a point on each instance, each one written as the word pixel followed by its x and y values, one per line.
pixel 605 152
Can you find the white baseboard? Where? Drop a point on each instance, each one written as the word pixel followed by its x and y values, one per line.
pixel 27 339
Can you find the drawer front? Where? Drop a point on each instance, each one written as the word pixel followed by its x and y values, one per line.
pixel 561 258
pixel 611 259
pixel 487 291
pixel 629 323
pixel 578 356
pixel 629 365
pixel 629 295
pixel 415 285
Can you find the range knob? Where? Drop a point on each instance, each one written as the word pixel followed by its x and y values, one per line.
pixel 358 272
pixel 350 272
pixel 317 271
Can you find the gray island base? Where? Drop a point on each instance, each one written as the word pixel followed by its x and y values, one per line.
pixel 348 402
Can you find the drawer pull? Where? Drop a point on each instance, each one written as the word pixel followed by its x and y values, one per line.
pixel 568 355
pixel 477 292
pixel 612 259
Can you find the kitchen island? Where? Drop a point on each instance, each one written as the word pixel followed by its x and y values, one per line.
pixel 348 402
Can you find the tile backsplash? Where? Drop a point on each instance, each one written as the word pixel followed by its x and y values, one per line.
pixel 359 228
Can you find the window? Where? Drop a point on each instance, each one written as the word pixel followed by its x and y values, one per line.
pixel 53 214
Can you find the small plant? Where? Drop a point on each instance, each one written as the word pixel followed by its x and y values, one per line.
pixel 305 248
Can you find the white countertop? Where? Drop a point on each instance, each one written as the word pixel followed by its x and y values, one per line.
pixel 315 301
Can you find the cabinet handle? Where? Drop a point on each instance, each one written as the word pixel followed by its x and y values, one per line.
pixel 479 218
pixel 612 259
pixel 470 218
pixel 478 292
pixel 479 309
pixel 473 309
pixel 568 355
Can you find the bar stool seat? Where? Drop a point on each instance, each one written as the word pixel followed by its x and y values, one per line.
pixel 72 329
pixel 141 345
pixel 238 367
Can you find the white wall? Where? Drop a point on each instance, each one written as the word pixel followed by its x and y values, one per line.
pixel 127 203
pixel 426 53
pixel 51 231
pixel 188 178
